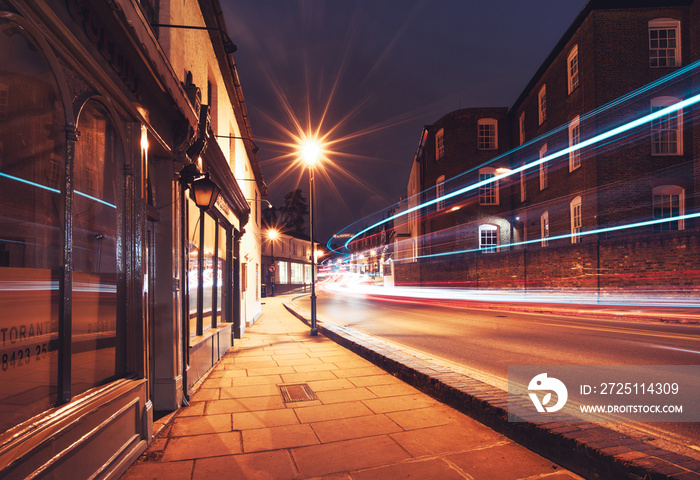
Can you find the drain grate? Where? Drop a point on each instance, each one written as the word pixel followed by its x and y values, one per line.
pixel 297 393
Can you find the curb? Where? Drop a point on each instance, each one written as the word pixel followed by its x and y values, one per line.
pixel 588 449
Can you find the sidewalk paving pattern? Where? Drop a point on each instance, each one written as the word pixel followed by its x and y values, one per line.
pixel 361 424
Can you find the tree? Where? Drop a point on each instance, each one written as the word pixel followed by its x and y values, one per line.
pixel 293 212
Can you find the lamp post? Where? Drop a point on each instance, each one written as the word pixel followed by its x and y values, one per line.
pixel 272 235
pixel 310 153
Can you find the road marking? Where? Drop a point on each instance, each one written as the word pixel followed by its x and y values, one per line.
pixel 677 349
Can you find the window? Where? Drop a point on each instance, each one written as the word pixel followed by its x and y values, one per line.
pixel 283 272
pixel 440 144
pixel 666 131
pixel 440 192
pixel 664 43
pixel 521 124
pixel 487 134
pixel 544 228
pixel 574 139
pixel 523 189
pixel 572 69
pixel 575 207
pixel 488 238
pixel 542 104
pixel 297 273
pixel 668 202
pixel 544 169
pixel 488 192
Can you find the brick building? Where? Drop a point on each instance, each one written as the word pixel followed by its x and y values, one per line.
pixel 550 204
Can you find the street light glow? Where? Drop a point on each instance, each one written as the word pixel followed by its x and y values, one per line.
pixel 272 234
pixel 310 152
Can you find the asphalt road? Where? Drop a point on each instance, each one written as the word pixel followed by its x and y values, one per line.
pixel 488 341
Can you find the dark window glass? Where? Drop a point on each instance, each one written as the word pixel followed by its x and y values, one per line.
pixel 96 234
pixel 32 163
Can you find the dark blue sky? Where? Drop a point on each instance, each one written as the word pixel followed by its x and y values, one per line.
pixel 385 68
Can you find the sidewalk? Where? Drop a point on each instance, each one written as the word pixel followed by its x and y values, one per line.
pixel 363 423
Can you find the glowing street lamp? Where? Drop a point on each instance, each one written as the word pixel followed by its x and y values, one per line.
pixel 310 154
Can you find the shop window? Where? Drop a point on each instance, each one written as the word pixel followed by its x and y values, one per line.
pixel 297 270
pixel 488 238
pixel 666 131
pixel 488 189
pixel 31 228
pixel 283 272
pixel 664 43
pixel 487 134
pixel 96 232
pixel 669 202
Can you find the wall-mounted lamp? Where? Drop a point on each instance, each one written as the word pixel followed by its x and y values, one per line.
pixel 255 147
pixel 229 46
pixel 205 192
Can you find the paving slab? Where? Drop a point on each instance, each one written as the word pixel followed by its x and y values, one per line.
pixel 351 421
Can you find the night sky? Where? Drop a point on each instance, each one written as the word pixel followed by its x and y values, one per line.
pixel 381 69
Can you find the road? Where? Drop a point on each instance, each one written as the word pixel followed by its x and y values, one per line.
pixel 488 341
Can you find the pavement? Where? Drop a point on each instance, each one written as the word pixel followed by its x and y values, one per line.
pixel 284 405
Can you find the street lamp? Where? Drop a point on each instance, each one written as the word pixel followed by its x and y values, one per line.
pixel 310 153
pixel 272 235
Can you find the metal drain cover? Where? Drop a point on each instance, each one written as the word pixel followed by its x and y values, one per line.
pixel 297 393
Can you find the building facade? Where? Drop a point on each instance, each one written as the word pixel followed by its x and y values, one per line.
pixel 558 215
pixel 118 292
pixel 286 263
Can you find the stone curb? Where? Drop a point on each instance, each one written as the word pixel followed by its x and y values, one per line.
pixel 588 449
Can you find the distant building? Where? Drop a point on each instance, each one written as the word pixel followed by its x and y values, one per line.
pixel 560 221
pixel 286 262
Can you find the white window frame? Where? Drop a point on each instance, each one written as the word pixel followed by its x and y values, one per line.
pixel 572 69
pixel 576 219
pixel 574 139
pixel 440 144
pixel 487 137
pixel 489 192
pixel 489 231
pixel 542 104
pixel 660 54
pixel 544 168
pixel 440 192
pixel 521 126
pixel 668 130
pixel 544 228
pixel 665 194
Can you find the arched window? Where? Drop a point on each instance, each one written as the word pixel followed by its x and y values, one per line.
pixel 488 238
pixel 576 221
pixel 32 183
pixel 668 202
pixel 666 131
pixel 487 134
pixel 440 191
pixel 544 228
pixel 544 168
